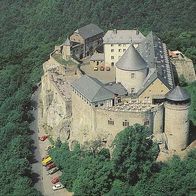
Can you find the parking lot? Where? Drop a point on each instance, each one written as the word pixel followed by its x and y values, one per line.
pixel 42 179
pixel 104 76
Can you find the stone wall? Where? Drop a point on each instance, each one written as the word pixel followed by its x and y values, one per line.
pixel 91 122
pixel 184 66
pixel 75 37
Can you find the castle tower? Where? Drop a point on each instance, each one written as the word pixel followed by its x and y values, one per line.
pixel 66 51
pixel 131 70
pixel 176 118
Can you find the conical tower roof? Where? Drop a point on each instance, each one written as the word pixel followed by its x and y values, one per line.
pixel 67 42
pixel 178 94
pixel 131 60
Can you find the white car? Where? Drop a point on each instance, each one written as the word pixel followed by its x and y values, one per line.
pixel 57 186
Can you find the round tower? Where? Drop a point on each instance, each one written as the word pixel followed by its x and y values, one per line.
pixel 131 70
pixel 66 51
pixel 176 119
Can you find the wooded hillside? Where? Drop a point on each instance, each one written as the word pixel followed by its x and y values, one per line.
pixel 30 29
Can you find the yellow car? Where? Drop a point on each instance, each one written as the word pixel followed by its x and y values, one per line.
pixel 46 161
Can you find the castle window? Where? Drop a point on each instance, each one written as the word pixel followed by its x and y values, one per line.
pixel 119 50
pixel 125 123
pixel 112 45
pixel 132 75
pixel 112 57
pixel 96 105
pixel 101 104
pixel 110 122
pixel 112 64
pixel 146 123
pixel 112 50
pixel 119 44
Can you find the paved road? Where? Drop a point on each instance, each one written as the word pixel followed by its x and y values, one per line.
pixel 36 166
pixel 41 179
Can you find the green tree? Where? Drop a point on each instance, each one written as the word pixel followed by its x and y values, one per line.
pixel 94 175
pixel 176 177
pixel 134 154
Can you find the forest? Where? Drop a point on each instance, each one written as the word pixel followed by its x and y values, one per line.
pixel 131 168
pixel 30 29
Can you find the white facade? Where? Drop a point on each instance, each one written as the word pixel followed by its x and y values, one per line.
pixel 113 52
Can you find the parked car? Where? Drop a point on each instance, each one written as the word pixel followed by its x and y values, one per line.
pixel 47 161
pixel 107 68
pixel 53 170
pixel 95 68
pixel 102 68
pixel 43 138
pixel 50 166
pixel 57 186
pixel 55 180
pixel 49 147
pixel 45 157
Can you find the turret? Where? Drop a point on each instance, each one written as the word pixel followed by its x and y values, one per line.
pixel 176 119
pixel 131 70
pixel 66 51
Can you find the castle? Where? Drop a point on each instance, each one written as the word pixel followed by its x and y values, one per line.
pixel 133 83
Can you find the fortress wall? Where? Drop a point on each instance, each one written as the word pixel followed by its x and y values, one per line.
pixel 184 66
pixel 176 126
pixel 82 114
pixel 89 122
pixel 103 116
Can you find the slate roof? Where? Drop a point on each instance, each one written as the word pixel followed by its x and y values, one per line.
pixel 92 89
pixel 116 88
pixel 155 54
pixel 67 42
pixel 89 30
pixel 178 94
pixel 122 37
pixel 131 60
pixel 98 57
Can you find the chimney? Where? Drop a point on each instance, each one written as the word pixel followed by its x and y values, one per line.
pixel 137 31
pixel 115 31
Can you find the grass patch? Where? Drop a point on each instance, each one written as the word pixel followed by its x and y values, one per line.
pixel 67 63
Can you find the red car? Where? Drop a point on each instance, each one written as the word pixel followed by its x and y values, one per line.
pixel 55 180
pixel 50 166
pixel 43 138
